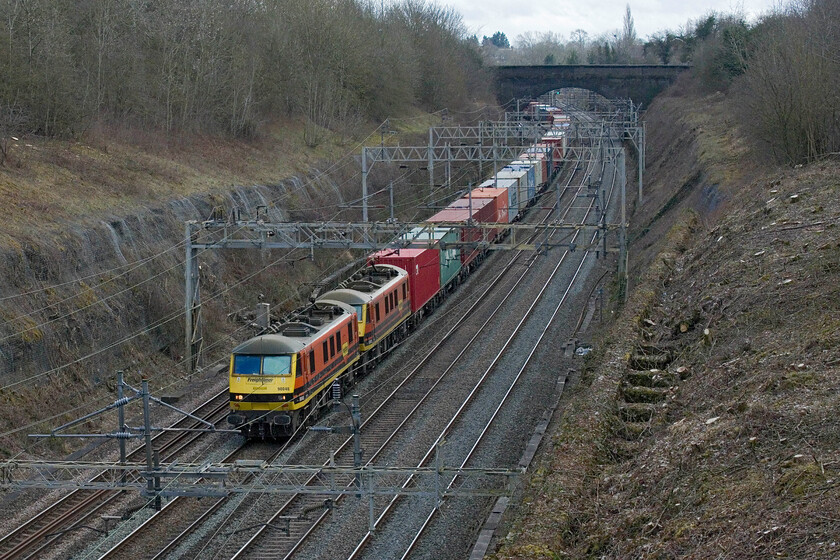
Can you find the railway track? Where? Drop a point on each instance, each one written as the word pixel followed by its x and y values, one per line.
pixel 483 435
pixel 378 434
pixel 179 519
pixel 264 544
pixel 293 506
pixel 36 536
pixel 367 540
pixel 175 528
pixel 259 537
pixel 472 452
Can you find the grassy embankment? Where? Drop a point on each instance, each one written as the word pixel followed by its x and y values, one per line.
pixel 57 310
pixel 705 424
pixel 113 171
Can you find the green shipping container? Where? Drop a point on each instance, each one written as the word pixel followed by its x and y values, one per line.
pixel 450 257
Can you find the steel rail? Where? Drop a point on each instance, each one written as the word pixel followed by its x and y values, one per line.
pixel 72 510
pixel 245 547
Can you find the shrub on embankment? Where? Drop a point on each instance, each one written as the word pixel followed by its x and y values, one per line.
pixel 783 73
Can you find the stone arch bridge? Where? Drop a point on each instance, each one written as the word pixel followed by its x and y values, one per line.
pixel 639 82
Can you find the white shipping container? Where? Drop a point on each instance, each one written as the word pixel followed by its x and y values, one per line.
pixel 521 178
pixel 539 179
pixel 512 186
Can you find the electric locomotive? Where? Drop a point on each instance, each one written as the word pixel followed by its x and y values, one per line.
pixel 379 293
pixel 278 380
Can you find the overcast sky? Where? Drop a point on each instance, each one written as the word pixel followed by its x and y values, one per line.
pixel 596 17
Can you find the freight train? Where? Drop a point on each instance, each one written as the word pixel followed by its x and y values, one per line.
pixel 281 378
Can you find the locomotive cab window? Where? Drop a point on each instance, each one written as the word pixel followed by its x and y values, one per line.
pixel 246 365
pixel 262 365
pixel 377 311
pixel 277 365
pixel 349 332
pixel 312 360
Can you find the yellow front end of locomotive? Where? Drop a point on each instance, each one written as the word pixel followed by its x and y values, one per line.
pixel 270 386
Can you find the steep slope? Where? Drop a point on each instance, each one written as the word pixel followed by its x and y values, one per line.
pixel 91 258
pixel 705 424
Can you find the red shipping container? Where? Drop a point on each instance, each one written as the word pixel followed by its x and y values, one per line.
pixel 458 212
pixel 483 211
pixel 499 198
pixel 542 151
pixel 423 267
pixel 557 140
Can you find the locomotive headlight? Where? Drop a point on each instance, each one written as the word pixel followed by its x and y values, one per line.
pixel 239 397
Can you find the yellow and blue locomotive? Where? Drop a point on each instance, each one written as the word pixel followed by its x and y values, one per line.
pixel 277 380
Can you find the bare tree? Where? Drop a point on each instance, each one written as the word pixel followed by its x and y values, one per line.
pixel 628 36
pixel 790 84
pixel 225 65
pixel 12 121
pixel 540 48
pixel 580 36
pixel 628 48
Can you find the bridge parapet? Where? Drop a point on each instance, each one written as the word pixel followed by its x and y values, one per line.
pixel 639 82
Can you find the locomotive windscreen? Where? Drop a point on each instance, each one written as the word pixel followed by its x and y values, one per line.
pixel 277 365
pixel 244 364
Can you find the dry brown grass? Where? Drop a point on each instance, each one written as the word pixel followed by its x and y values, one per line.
pixel 118 169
